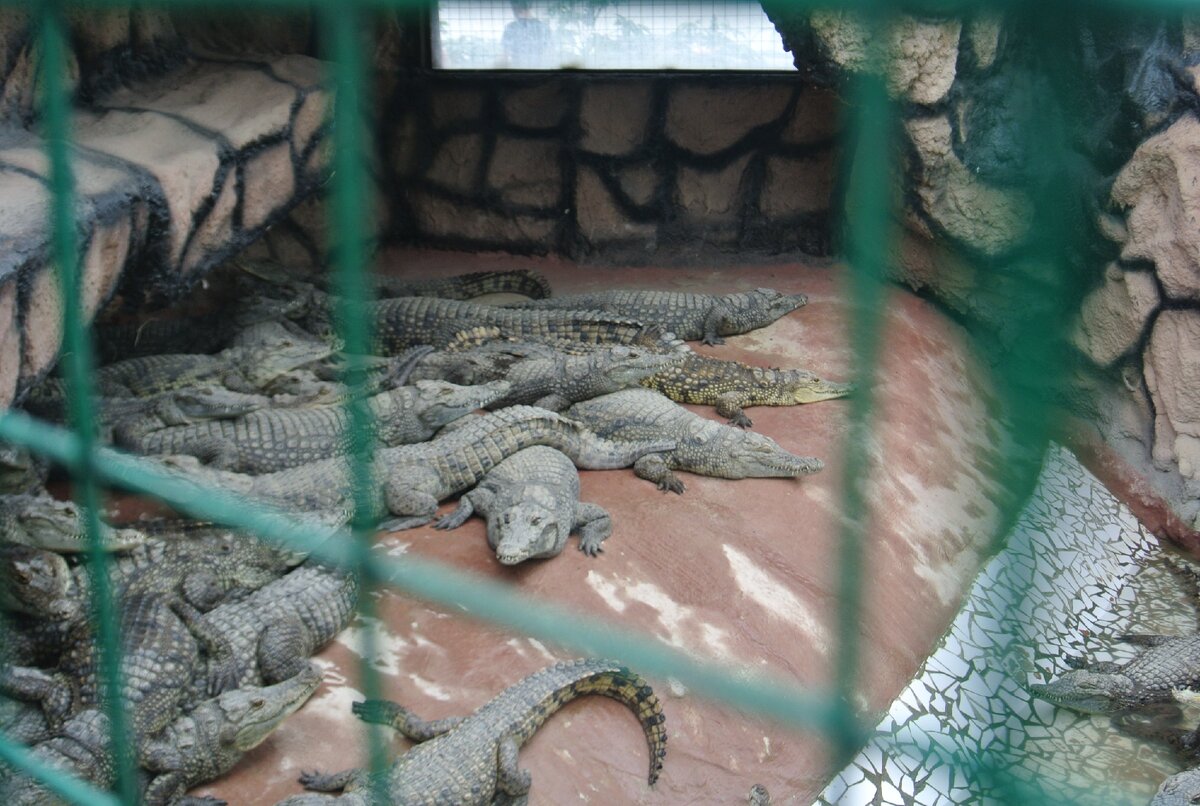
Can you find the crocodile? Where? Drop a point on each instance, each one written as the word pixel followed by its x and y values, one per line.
pixel 272 632
pixel 195 748
pixel 416 477
pixel 702 446
pixel 531 502
pixel 36 582
pixel 688 315
pixel 460 286
pixel 732 385
pixel 404 322
pixel 1167 663
pixel 759 796
pixel 473 760
pixel 44 522
pixel 210 740
pixel 267 440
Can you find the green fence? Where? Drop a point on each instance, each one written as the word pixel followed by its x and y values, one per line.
pixel 868 150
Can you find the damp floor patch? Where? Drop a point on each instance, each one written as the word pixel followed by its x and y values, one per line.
pixel 1076 571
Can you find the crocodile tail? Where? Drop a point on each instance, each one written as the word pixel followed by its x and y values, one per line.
pixel 554 687
pixel 470 337
pixel 518 281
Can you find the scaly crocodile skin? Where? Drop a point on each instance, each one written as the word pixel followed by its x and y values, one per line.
pixel 732 385
pixel 472 761
pixel 702 446
pixel 687 315
pixel 465 286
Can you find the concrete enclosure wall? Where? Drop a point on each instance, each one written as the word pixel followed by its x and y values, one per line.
pixel 611 168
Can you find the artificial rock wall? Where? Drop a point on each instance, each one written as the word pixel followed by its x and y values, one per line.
pixel 613 168
pixel 981 98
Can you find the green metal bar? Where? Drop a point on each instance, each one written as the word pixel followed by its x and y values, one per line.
pixel 867 205
pixel 77 360
pixel 771 696
pixel 350 180
pixel 57 781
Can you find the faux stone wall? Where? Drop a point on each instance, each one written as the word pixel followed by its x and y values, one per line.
pixel 612 169
pixel 181 158
pixel 980 98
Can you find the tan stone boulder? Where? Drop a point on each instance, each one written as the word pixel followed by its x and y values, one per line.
pixel 922 54
pixel 1172 366
pixel 1160 189
pixel 1114 315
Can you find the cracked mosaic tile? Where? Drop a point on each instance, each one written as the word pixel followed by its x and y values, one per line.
pixel 1076 571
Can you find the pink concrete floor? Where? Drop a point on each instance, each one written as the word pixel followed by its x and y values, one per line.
pixel 739 571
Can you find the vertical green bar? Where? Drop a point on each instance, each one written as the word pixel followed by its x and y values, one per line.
pixel 77 358
pixel 867 234
pixel 344 23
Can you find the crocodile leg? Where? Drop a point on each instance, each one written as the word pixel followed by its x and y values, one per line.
pixel 222 663
pixel 283 649
pixel 213 451
pixel 402 720
pixel 459 516
pixel 510 778
pixel 653 467
pixel 53 692
pixel 553 402
pixel 730 405
pixel 712 324
pixel 594 525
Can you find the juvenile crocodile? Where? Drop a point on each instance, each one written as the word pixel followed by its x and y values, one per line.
pixel 267 440
pixel 272 632
pixel 36 582
pixel 688 315
pixel 405 322
pixel 531 503
pixel 702 446
pixel 194 749
pixel 732 385
pixel 210 740
pixel 1167 663
pixel 44 522
pixel 472 761
pixel 412 479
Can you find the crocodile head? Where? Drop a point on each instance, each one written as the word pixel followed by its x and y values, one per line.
pixel 47 523
pixel 531 528
pixel 249 715
pixel 20 470
pixel 1181 789
pixel 746 454
pixel 755 309
pixel 805 387
pixel 438 402
pixel 1088 691
pixel 36 582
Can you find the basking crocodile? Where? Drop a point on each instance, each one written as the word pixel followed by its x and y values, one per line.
pixel 405 322
pixel 272 632
pixel 1166 664
pixel 36 582
pixel 267 440
pixel 472 760
pixel 688 315
pixel 416 477
pixel 460 286
pixel 210 740
pixel 44 522
pixel 702 446
pixel 731 385
pixel 193 749
pixel 531 502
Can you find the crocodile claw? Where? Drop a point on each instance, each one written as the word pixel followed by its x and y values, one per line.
pixel 672 485
pixel 741 420
pixel 591 548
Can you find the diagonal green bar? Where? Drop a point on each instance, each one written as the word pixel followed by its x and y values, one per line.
pixel 771 696
pixel 345 39
pixel 56 780
pixel 867 198
pixel 77 359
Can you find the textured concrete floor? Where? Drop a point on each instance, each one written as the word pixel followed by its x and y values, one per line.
pixel 740 571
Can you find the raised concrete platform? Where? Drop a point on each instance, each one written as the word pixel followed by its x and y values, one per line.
pixel 173 176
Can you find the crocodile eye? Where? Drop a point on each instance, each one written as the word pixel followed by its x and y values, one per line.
pixel 257 702
pixel 536 520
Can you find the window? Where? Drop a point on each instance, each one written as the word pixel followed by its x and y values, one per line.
pixel 606 35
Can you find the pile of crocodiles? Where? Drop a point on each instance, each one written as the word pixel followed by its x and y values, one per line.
pixel 500 405
pixel 1143 696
